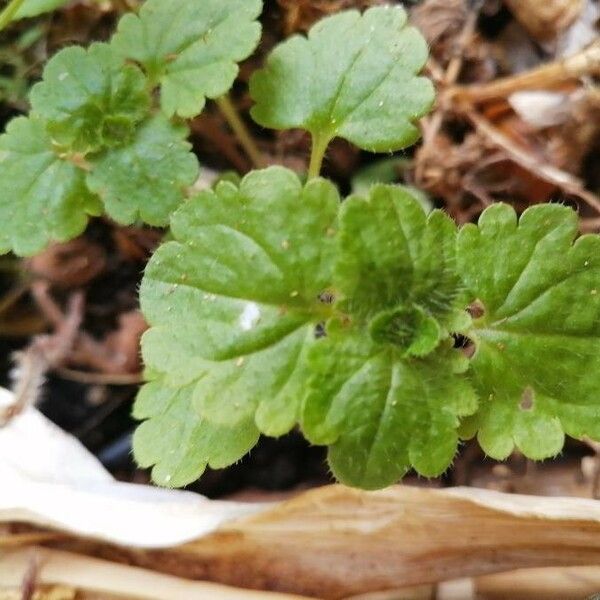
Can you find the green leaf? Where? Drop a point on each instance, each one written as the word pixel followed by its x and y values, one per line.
pixel 537 359
pixel 234 299
pixel 353 77
pixel 177 442
pixel 383 170
pixel 147 178
pixel 410 328
pixel 190 47
pixel 90 99
pixel 42 197
pixel 33 8
pixel 387 170
pixel 384 391
pixel 381 413
pixel 396 266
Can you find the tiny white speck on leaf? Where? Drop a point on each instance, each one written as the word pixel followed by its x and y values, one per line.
pixel 249 316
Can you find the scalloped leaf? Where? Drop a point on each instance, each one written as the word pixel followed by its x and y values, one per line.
pixel 190 48
pixel 42 196
pixel 537 360
pixel 396 268
pixel 234 298
pixel 90 99
pixel 177 442
pixel 353 77
pixel 380 413
pixel 147 178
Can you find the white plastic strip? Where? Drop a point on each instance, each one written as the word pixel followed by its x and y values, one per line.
pixel 49 479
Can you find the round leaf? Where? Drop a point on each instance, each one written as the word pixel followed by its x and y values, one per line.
pixel 353 77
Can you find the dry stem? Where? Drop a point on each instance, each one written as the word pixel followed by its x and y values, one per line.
pixel 565 181
pixel 547 76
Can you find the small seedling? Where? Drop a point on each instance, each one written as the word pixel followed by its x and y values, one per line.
pixel 275 304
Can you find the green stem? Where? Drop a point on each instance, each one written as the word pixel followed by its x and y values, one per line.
pixel 9 12
pixel 242 133
pixel 319 147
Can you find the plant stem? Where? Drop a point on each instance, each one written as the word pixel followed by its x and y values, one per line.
pixel 7 15
pixel 241 131
pixel 319 147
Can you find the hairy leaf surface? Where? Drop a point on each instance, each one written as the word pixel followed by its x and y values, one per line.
pixel 147 178
pixel 396 268
pixel 384 391
pixel 537 361
pixel 234 299
pixel 90 99
pixel 42 196
pixel 177 442
pixel 381 413
pixel 191 48
pixel 353 77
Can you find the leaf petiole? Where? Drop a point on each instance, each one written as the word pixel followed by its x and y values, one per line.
pixel 319 147
pixel 9 12
pixel 238 126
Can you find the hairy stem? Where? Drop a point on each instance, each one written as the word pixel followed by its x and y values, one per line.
pixel 9 12
pixel 241 131
pixel 319 147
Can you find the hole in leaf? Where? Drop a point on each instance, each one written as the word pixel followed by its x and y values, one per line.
pixel 476 309
pixel 465 344
pixel 527 399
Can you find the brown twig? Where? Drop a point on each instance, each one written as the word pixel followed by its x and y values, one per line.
pixel 12 297
pixel 30 579
pixel 99 378
pixel 545 19
pixel 209 127
pixel 44 351
pixel 565 181
pixel 28 376
pixel 114 356
pixel 40 290
pixel 456 62
pixel 590 225
pixel 547 76
pixel 432 125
